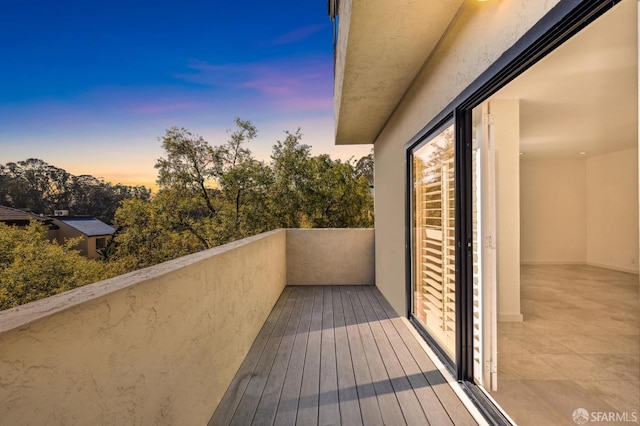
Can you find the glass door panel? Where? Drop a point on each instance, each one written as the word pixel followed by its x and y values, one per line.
pixel 434 260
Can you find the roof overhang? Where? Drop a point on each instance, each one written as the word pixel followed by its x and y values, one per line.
pixel 382 45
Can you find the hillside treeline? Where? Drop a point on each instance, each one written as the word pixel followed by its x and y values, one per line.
pixel 43 188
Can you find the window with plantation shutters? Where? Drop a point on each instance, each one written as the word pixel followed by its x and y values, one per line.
pixel 434 238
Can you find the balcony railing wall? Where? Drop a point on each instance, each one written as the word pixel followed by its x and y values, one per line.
pixel 330 256
pixel 161 345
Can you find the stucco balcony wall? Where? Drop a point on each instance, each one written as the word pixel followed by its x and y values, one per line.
pixel 156 346
pixel 330 256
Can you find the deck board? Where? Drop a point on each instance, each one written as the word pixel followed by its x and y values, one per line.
pixel 334 355
pixel 229 403
pixel 347 391
pixel 369 408
pixel 245 412
pixel 387 399
pixel 288 405
pixel 328 410
pixel 447 397
pixel 409 404
pixel 309 392
pixel 266 412
pixel 427 398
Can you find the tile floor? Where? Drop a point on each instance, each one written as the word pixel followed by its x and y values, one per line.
pixel 578 347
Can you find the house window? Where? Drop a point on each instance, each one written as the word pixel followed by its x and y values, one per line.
pixel 101 243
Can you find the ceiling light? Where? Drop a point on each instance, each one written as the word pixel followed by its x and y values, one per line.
pixel 583 153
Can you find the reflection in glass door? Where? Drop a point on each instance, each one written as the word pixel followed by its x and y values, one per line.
pixel 433 184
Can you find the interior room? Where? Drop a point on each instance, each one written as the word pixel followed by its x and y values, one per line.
pixel 568 311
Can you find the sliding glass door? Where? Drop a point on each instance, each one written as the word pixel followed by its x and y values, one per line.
pixel 434 257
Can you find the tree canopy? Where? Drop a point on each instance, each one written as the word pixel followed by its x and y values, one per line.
pixel 208 195
pixel 42 188
pixel 211 195
pixel 32 267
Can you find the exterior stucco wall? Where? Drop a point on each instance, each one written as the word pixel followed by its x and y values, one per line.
pixel 65 232
pixel 156 346
pixel 91 248
pixel 479 34
pixel 330 256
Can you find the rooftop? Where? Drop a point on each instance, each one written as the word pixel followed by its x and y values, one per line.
pixel 9 214
pixel 90 226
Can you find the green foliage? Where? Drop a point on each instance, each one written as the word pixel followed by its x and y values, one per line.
pixel 32 267
pixel 207 196
pixel 364 167
pixel 290 162
pixel 213 195
pixel 337 196
pixel 149 235
pixel 189 166
pixel 42 188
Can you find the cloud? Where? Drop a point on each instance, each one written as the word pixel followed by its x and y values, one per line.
pixel 277 82
pixel 298 34
pixel 164 107
pixel 290 84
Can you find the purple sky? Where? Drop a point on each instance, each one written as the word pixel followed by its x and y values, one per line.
pixel 90 86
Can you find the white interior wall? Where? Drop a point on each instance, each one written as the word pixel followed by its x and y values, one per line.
pixel 581 210
pixel 612 210
pixel 505 133
pixel 553 210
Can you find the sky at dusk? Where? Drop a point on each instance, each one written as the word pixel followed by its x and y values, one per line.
pixel 90 86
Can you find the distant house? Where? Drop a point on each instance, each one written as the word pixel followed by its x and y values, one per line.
pixel 94 233
pixel 17 217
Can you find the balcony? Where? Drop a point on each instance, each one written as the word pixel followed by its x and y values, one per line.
pixel 278 328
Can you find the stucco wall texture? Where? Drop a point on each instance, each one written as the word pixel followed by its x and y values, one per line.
pixel 156 346
pixel 65 232
pixel 479 34
pixel 330 256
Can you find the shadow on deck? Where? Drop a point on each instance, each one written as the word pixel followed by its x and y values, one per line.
pixel 336 355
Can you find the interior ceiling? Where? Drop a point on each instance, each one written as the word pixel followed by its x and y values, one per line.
pixel 583 97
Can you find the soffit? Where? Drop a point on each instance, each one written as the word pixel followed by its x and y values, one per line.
pixel 386 45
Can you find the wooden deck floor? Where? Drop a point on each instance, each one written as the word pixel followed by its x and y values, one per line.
pixel 337 355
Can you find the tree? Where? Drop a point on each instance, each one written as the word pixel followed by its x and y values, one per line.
pixel 244 184
pixel 42 188
pixel 244 196
pixel 189 166
pixel 233 152
pixel 148 235
pixel 32 267
pixel 211 195
pixel 290 163
pixel 208 196
pixel 94 197
pixel 337 197
pixel 364 167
